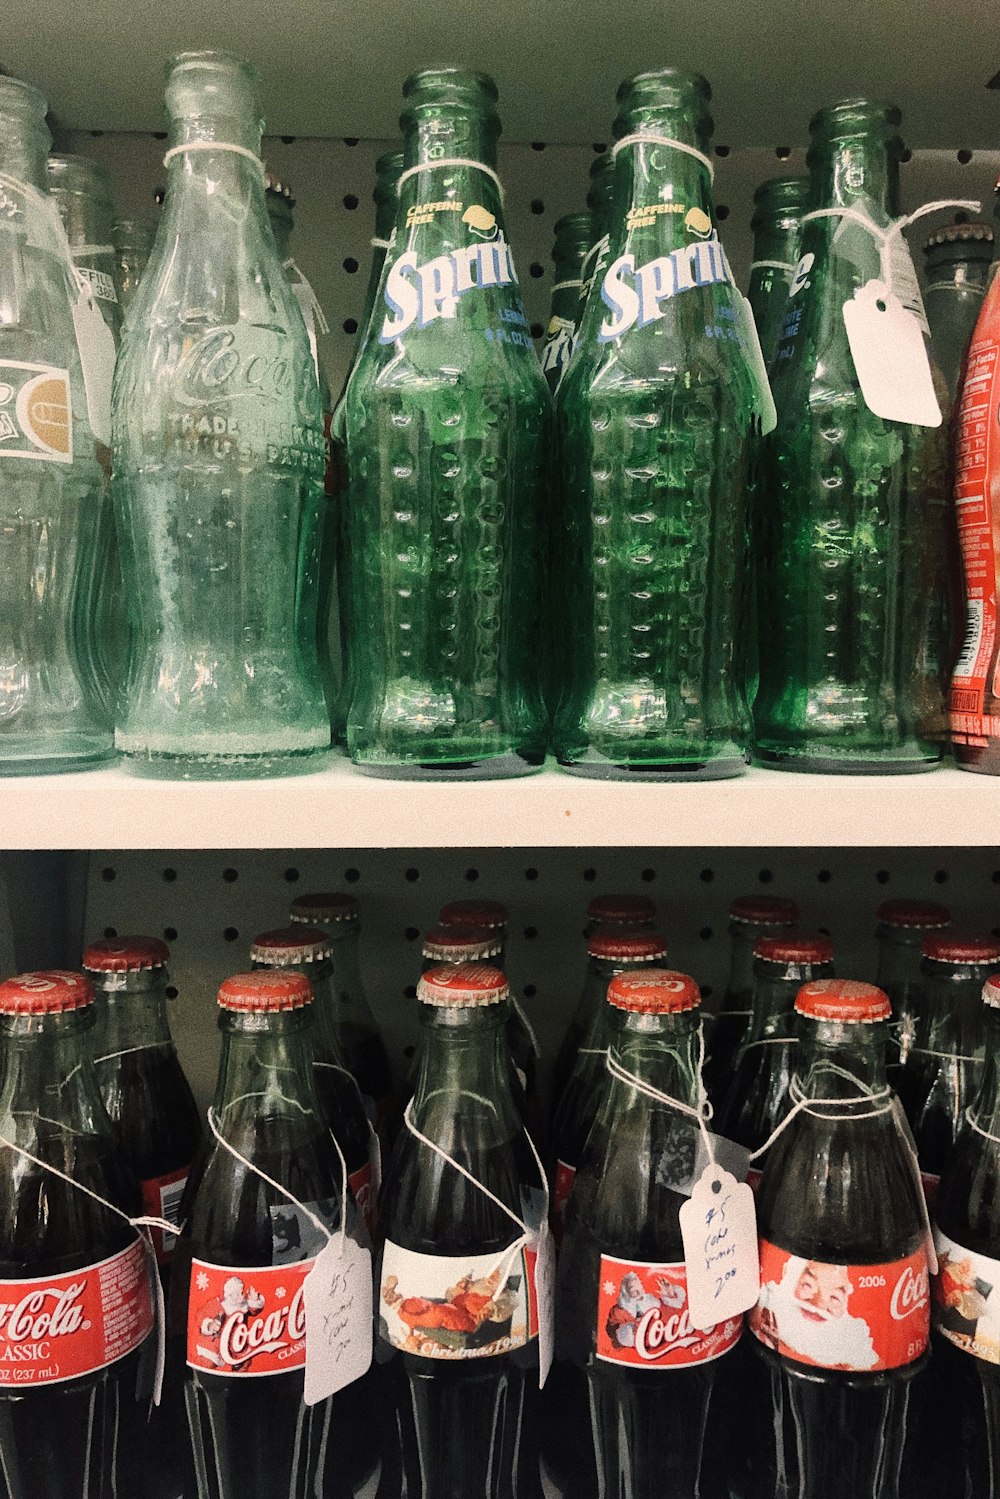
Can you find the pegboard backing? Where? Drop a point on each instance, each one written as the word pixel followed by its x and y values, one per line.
pixel 333 180
pixel 209 905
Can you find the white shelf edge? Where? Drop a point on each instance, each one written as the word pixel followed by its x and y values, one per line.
pixel 338 808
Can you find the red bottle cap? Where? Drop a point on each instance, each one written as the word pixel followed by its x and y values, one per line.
pixel 621 910
pixel 655 991
pixel 474 913
pixel 913 913
pixel 48 992
pixel 843 999
pixel 456 944
pixel 289 945
pixel 264 990
pixel 961 948
pixel 463 984
pixel 626 947
pixel 125 954
pixel 794 949
pixel 764 910
pixel 991 991
pixel 323 909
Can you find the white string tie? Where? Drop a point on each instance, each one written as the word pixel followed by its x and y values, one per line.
pixel 974 1124
pixel 885 234
pixel 128 1051
pixel 77 250
pixel 142 1221
pixel 565 285
pixel 215 146
pixel 823 1108
pixel 518 1009
pixel 772 265
pixel 701 1112
pixel 314 1219
pixel 379 244
pixel 451 161
pixel 644 138
pixel 769 1041
pixel 948 1056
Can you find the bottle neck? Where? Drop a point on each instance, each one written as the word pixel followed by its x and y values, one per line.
pixel 859 171
pixel 265 1073
pixel 954 1010
pixel 344 960
pixel 775 988
pixel 464 1075
pixel 739 988
pixel 23 149
pixel 662 197
pixel 841 1061
pixel 661 1051
pixel 436 135
pixel 777 239
pixel 898 958
pixel 226 186
pixel 131 1016
pixel 986 1107
pixel 48 1088
pixel 86 219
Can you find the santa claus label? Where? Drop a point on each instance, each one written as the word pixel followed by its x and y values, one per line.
pixel 855 1317
pixel 458 1307
pixel 246 1321
pixel 643 1319
pixel 966 1299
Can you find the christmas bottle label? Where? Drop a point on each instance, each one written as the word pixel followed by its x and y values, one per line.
pixel 458 1307
pixel 565 1177
pixel 643 1320
pixel 360 1183
pixel 161 1198
pixel 36 416
pixel 59 1327
pixel 246 1321
pixel 856 1317
pixel 966 1299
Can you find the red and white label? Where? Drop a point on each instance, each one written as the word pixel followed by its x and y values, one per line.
pixel 161 1198
pixel 360 1183
pixel 857 1317
pixel 246 1321
pixel 451 1307
pixel 643 1318
pixel 562 1187
pixel 966 1295
pixel 61 1327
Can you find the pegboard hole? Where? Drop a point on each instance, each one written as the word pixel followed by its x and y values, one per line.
pixel 962 217
pixel 230 876
pixel 412 933
pixel 590 875
pixel 170 934
pixel 995 876
pixel 352 875
pixel 782 152
pixel 824 876
pixel 537 206
pixel 171 991
pixel 230 934
pixel 538 145
pixel 529 991
pixel 906 155
pixel 532 874
pixel 706 991
pixel 598 148
pixel 536 271
pixel 941 876
pixel 170 875
pixel 288 140
pixel 159 135
pixel 708 875
pixel 97 133
pixel 472 875
pixel 765 876
pixel 706 934
pixel 350 201
pixel 109 874
pixel 350 325
pixel 291 875
pixel 350 265
pixel 537 330
pixel 351 140
pixel 412 875
pixel 531 932
pixel 410 992
pixel 965 156
pixel 722 150
pixel 409 1051
pixel 882 876
pixel 824 931
pixel 648 876
pixel 722 211
pixel 111 931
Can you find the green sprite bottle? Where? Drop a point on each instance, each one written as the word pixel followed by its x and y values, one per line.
pixel 778 206
pixel 571 245
pixel 447 419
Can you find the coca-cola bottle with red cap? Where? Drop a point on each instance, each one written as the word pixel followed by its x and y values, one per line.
pixel 77 1340
pixel 457 1318
pixel 759 1096
pixel 307 949
pixel 944 1066
pixel 750 917
pixel 361 1043
pixel 256 1198
pixel 842 1322
pixel 610 952
pixel 902 927
pixel 630 1364
pixel 140 1076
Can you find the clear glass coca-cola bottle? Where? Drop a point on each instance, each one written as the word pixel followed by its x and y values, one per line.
pixel 902 927
pixel 759 1095
pixel 249 1241
pixel 457 1319
pixel 82 191
pixel 133 241
pixel 750 917
pixel 77 1345
pixel 842 1322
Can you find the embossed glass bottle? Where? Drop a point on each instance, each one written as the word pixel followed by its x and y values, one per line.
pixel 572 242
pixel 778 206
pixel 654 417
pixel 218 462
pixel 853 510
pixel 133 241
pixel 447 416
pixel 957 262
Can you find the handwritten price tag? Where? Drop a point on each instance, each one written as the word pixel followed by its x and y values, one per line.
pixel 337 1294
pixel 719 1231
pixel 545 1274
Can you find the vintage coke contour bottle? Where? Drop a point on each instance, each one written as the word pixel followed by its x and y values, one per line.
pixel 77 1343
pixel 957 266
pixel 759 1095
pixel 854 639
pixel 778 206
pixel 447 422
pixel 457 1318
pixel 133 241
pixel 610 952
pixel 361 1044
pixel 140 1076
pixel 246 1250
pixel 52 715
pixel 572 241
pixel 81 190
pixel 902 927
pixel 218 458
pixel 750 917
pixel 623 1334
pixel 842 1322
pixel 944 1066
pixel 308 950
pixel 654 417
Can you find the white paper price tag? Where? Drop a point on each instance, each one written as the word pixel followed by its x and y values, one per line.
pixel 156 1286
pixel 96 344
pixel 337 1294
pixel 375 1161
pixel 545 1275
pixel 890 357
pixel 719 1231
pixel 766 410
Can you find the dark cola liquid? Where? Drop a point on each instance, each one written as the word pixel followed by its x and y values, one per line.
pixel 88 1436
pixel 345 1114
pixel 565 1060
pixel 252 1437
pixel 366 1058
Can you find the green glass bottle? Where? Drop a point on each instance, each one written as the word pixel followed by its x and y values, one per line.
pixel 572 241
pixel 778 206
pixel 447 419
pixel 852 548
pixel 957 261
pixel 655 412
pixel 600 196
pixel 133 242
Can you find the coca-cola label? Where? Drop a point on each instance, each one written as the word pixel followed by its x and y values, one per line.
pixel 361 1185
pixel 161 1198
pixel 643 1318
pixel 246 1321
pixel 458 1307
pixel 562 1187
pixel 856 1317
pixel 59 1327
pixel 966 1299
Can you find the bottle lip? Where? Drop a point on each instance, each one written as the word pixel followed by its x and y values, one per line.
pixel 456 944
pixel 772 910
pixel 621 910
pixel 462 986
pixel 792 190
pixel 488 913
pixel 127 233
pixel 654 991
pixel 323 908
pixel 991 992
pixel 125 954
pixel 265 990
pixel 849 117
pixel 913 913
pixel 960 948
pixel 846 1000
pixel 17 96
pixel 457 80
pixel 794 949
pixel 286 946
pixel 210 57
pixel 389 163
pixel 628 946
pixel 577 224
pixel 676 77
pixel 47 991
pixel 72 173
